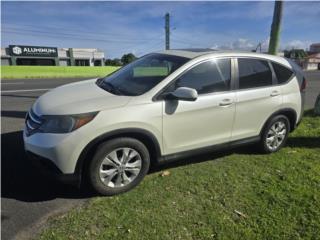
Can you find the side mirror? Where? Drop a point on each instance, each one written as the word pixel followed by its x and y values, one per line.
pixel 183 94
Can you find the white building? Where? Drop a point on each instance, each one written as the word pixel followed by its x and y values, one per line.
pixel 315 48
pixel 312 62
pixel 51 56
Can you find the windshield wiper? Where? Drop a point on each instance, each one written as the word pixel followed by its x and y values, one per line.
pixel 108 87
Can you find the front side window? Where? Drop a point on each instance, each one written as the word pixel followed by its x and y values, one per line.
pixel 254 73
pixel 283 74
pixel 141 75
pixel 207 77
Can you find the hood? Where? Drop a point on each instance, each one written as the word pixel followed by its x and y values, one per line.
pixel 80 97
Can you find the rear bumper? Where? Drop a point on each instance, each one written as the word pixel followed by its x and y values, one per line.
pixel 47 168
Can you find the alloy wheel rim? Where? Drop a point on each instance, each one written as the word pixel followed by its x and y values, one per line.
pixel 276 135
pixel 120 167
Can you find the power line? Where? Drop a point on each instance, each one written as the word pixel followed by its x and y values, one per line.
pixel 77 35
pixel 151 48
pixel 128 45
pixel 52 35
pixel 70 30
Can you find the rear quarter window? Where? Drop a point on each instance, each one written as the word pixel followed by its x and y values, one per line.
pixel 283 74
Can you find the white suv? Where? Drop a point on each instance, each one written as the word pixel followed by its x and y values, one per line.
pixel 163 106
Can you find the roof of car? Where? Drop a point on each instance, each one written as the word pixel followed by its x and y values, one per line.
pixel 196 52
pixel 188 53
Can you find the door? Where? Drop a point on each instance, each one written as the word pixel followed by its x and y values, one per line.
pixel 257 97
pixel 206 121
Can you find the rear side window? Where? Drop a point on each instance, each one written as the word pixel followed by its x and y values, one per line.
pixel 254 73
pixel 283 74
pixel 207 77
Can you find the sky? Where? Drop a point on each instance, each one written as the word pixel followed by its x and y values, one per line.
pixel 138 27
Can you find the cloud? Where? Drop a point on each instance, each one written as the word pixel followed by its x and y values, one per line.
pixel 241 44
pixel 248 45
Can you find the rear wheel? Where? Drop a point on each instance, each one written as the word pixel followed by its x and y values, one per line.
pixel 118 166
pixel 275 134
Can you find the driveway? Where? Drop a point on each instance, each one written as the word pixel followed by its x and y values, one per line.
pixel 28 199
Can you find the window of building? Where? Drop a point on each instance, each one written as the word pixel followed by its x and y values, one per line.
pixel 97 62
pixel 64 62
pixel 82 62
pixel 36 61
pixel 207 77
pixel 254 73
pixel 283 74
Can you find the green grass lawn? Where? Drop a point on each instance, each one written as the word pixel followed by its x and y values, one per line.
pixel 229 195
pixel 24 72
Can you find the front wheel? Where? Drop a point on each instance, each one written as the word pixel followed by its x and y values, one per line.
pixel 118 166
pixel 275 134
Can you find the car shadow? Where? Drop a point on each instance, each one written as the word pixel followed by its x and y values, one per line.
pixel 22 182
pixel 306 142
pixel 210 156
pixel 19 96
pixel 251 149
pixel 13 114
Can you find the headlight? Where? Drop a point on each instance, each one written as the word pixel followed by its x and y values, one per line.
pixel 65 123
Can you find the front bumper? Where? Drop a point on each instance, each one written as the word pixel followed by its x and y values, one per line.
pixel 61 150
pixel 47 168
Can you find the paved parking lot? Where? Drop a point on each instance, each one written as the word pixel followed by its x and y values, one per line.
pixel 27 199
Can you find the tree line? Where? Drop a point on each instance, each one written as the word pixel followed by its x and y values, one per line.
pixel 125 59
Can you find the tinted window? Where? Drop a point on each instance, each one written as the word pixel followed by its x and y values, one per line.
pixel 207 77
pixel 141 75
pixel 283 74
pixel 254 73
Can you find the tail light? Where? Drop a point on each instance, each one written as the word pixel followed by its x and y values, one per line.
pixel 303 85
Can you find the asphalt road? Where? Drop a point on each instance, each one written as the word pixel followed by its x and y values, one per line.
pixel 28 199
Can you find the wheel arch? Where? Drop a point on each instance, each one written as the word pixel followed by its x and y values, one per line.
pixel 290 113
pixel 146 137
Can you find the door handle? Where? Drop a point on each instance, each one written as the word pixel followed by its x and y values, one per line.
pixel 225 102
pixel 275 93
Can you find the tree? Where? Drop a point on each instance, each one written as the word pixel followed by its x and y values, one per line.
pixel 113 62
pixel 108 62
pixel 127 58
pixel 295 54
pixel 275 28
pixel 117 62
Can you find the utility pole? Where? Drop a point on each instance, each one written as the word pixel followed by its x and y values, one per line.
pixel 275 27
pixel 167 30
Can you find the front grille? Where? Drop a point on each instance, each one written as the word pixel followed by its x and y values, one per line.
pixel 33 122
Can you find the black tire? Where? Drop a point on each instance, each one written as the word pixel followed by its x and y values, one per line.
pixel 103 150
pixel 263 146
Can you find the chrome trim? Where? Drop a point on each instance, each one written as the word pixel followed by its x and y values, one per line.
pixel 33 118
pixel 29 126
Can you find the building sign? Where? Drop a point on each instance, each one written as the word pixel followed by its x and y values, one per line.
pixel 33 51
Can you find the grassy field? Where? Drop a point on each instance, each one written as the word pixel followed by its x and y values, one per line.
pixel 25 72
pixel 228 195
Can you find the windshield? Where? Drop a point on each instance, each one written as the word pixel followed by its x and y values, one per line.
pixel 141 75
